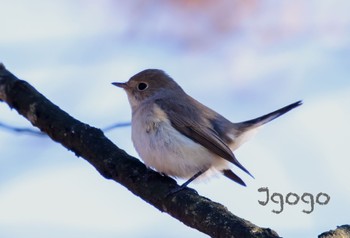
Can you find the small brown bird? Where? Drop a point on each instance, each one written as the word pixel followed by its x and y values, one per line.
pixel 180 137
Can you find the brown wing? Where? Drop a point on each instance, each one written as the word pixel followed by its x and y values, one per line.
pixel 184 119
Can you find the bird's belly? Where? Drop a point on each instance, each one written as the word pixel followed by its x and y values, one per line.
pixel 168 151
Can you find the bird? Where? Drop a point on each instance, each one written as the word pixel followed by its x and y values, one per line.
pixel 180 137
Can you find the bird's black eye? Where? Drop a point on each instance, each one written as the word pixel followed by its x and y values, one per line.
pixel 142 86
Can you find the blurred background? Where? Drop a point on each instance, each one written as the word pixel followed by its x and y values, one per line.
pixel 241 58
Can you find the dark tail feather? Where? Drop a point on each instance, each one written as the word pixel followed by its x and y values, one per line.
pixel 268 117
pixel 231 175
pixel 245 126
pixel 234 161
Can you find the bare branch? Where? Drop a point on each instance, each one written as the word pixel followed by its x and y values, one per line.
pixel 117 125
pixel 113 163
pixel 341 232
pixel 39 133
pixel 21 130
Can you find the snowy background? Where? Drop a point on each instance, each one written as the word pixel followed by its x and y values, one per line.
pixel 242 58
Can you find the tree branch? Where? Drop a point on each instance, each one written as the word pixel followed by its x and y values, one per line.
pixel 39 133
pixel 116 125
pixel 340 232
pixel 113 163
pixel 21 130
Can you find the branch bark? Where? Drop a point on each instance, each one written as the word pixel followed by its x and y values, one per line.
pixel 340 232
pixel 113 163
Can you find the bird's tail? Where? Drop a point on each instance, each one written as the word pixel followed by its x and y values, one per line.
pixel 244 130
pixel 247 125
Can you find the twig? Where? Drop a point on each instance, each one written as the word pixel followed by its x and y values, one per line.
pixel 39 133
pixel 21 130
pixel 117 125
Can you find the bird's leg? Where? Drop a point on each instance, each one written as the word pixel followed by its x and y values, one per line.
pixel 184 185
pixel 192 178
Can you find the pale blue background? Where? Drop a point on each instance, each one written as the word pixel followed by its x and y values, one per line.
pixel 242 58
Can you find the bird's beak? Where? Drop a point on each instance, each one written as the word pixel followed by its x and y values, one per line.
pixel 120 85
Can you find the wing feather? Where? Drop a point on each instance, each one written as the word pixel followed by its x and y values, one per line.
pixel 197 130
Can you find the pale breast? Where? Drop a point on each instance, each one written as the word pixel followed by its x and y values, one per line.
pixel 165 149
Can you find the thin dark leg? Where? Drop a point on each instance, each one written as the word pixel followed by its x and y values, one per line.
pixel 184 185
